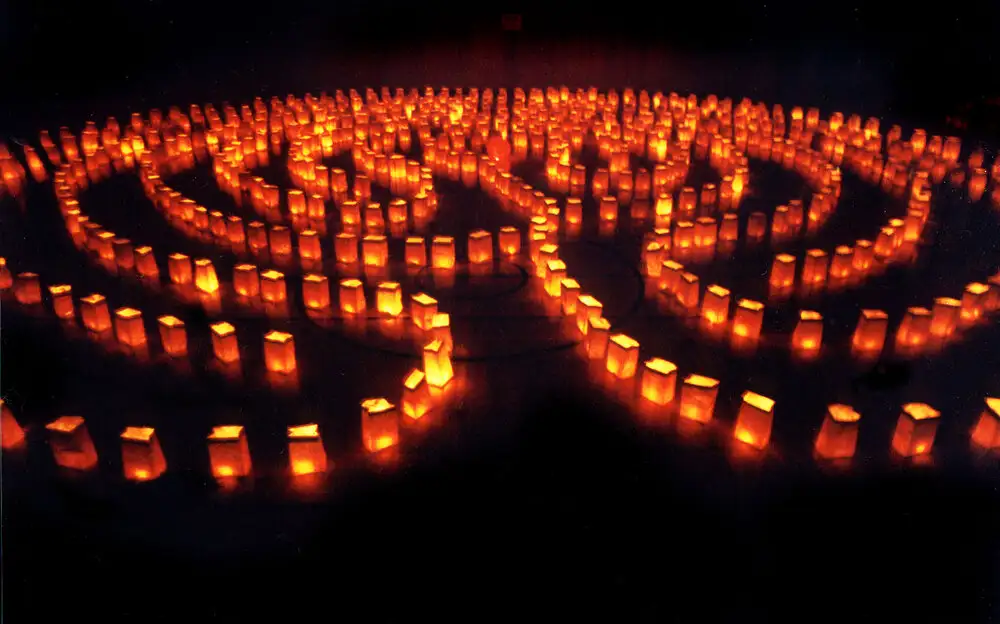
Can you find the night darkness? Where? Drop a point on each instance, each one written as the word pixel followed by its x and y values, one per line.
pixel 573 515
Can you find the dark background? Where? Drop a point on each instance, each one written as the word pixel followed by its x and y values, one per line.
pixel 572 517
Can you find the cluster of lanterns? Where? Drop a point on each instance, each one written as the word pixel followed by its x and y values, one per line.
pixel 471 138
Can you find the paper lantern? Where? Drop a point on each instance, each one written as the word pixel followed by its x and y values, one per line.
pixel 296 202
pixel 597 337
pixel 443 252
pixel 748 320
pixel 62 301
pixel 698 394
pixel 306 454
pixel 944 316
pixel 683 235
pixel 279 352
pixel 986 433
pixel 715 305
pixel 272 286
pixel 423 307
pixel 374 220
pixel 205 278
pixel 570 292
pixel 480 247
pixel 375 251
pixel 623 356
pixel 753 423
pixel 129 328
pixel 71 444
pixel 574 210
pixel 145 262
pixel 670 276
pixel 350 213
pixel 914 329
pixel 142 457
pixel 309 246
pixel 756 226
pixel 437 364
pixel 816 266
pixel 843 260
pixel 94 313
pixel 587 309
pixel 687 201
pixel 608 209
pixel 555 273
pixel 6 279
pixel 729 229
pixel 11 433
pixel 224 342
pixel 416 394
pixel 441 329
pixel 255 234
pixel 124 256
pixel 705 232
pixel 28 289
pixel 688 292
pixel 838 435
pixel 915 430
pixel 228 452
pixel 379 424
pixel 808 335
pixel 246 281
pixel 389 298
pixel 659 381
pixel 345 248
pixel 415 252
pixel 783 271
pixel 869 335
pixel 179 269
pixel 352 296
pixel 973 302
pixel 173 336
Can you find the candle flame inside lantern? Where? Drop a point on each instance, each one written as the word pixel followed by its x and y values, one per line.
pixel 306 454
pixel 379 424
pixel 915 430
pixel 622 356
pixel 205 278
pixel 228 452
pixel 11 433
pixel 659 381
pixel 416 394
pixel 838 435
pixel 698 394
pixel 71 444
pixel 986 433
pixel 437 364
pixel 279 352
pixel 753 423
pixel 389 298
pixel 142 457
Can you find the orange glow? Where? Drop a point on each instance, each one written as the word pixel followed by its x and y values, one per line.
pixel 11 433
pixel 379 424
pixel 944 316
pixel 480 247
pixel 179 269
pixel 670 276
pixel 688 292
pixel 27 289
pixel 315 291
pixel 71 444
pixel 914 329
pixel 437 364
pixel 683 235
pixel 509 241
pixel 622 356
pixel 224 342
pixel 129 328
pixel 94 312
pixel 309 246
pixel 416 394
pixel 597 338
pixel 838 435
pixel 753 423
pixel 974 301
pixel 352 296
pixel 808 334
pixel 659 381
pixel 915 430
pixel 272 286
pixel 748 320
pixel 205 279
pixel 783 271
pixel 816 267
pixel 869 336
pixel 142 457
pixel 62 301
pixel 715 305
pixel 173 336
pixel 443 252
pixel 279 352
pixel 306 454
pixel 246 281
pixel 698 395
pixel 389 298
pixel 228 452
pixel 280 240
pixel 555 273
pixel 345 248
pixel 986 433
pixel 608 209
pixel 375 251
pixel 441 330
pixel 587 309
pixel 416 252
pixel 569 294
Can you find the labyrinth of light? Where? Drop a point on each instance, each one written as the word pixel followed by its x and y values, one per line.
pixel 327 251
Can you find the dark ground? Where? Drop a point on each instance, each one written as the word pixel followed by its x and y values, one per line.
pixel 569 513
